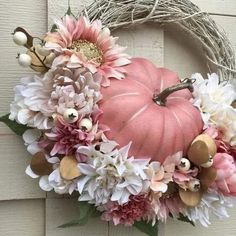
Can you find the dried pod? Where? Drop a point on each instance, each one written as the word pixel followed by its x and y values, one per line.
pixel 36 63
pixel 209 141
pixel 68 168
pixel 189 198
pixel 207 176
pixel 202 149
pixel 40 165
pixel 198 153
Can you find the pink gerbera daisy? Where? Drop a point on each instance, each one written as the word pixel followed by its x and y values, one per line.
pixel 81 43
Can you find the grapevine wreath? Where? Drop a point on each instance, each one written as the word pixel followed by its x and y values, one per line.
pixel 137 143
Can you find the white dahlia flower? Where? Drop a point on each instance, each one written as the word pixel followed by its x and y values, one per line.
pixel 214 100
pixel 111 175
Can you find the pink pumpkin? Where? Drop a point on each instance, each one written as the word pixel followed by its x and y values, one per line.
pixel 156 131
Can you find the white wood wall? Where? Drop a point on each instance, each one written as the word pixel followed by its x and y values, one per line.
pixel 25 210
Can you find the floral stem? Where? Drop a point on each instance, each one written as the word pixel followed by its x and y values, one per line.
pixel 36 54
pixel 160 99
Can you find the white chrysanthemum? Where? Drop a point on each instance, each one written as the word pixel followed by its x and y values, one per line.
pixel 212 203
pixel 111 175
pixel 214 100
pixel 38 98
pixel 31 103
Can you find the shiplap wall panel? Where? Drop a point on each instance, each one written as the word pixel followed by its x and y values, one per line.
pixel 60 211
pixel 124 230
pixel 30 14
pixel 218 227
pixel 22 218
pixel 121 230
pixel 227 7
pixel 183 54
pixel 14 183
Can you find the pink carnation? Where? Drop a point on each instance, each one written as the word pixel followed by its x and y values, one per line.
pixel 134 210
pixel 226 174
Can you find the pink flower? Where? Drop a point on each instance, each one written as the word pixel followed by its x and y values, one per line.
pixel 161 175
pixel 64 137
pixel 170 206
pixel 80 43
pixel 165 206
pixel 226 174
pixel 134 210
pixel 182 179
pixel 222 147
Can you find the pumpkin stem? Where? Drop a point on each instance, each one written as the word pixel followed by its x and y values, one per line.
pixel 160 99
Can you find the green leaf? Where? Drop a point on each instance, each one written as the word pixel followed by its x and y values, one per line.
pixel 147 228
pixel 69 12
pixel 54 28
pixel 13 125
pixel 86 211
pixel 185 219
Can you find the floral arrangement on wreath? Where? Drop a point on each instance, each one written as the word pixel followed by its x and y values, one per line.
pixel 138 144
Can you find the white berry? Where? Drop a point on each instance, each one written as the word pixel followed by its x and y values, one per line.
pixel 24 60
pixel 194 185
pixel 70 115
pixel 42 51
pixel 86 124
pixel 208 164
pixel 19 38
pixel 184 165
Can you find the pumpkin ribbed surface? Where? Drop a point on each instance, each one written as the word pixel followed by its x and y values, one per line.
pixel 131 114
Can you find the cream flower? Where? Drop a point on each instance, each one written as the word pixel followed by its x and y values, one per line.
pixel 162 174
pixel 112 175
pixel 214 100
pixel 211 203
pixel 31 103
pixel 38 98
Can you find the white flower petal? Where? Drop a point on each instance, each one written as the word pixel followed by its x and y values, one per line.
pixel 34 148
pixel 30 173
pixel 24 116
pixel 31 135
pixel 81 183
pixel 44 183
pixel 86 169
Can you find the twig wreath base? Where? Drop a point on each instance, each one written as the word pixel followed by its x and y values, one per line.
pixel 124 13
pixel 137 144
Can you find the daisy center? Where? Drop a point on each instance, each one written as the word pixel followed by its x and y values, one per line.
pixel 90 50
